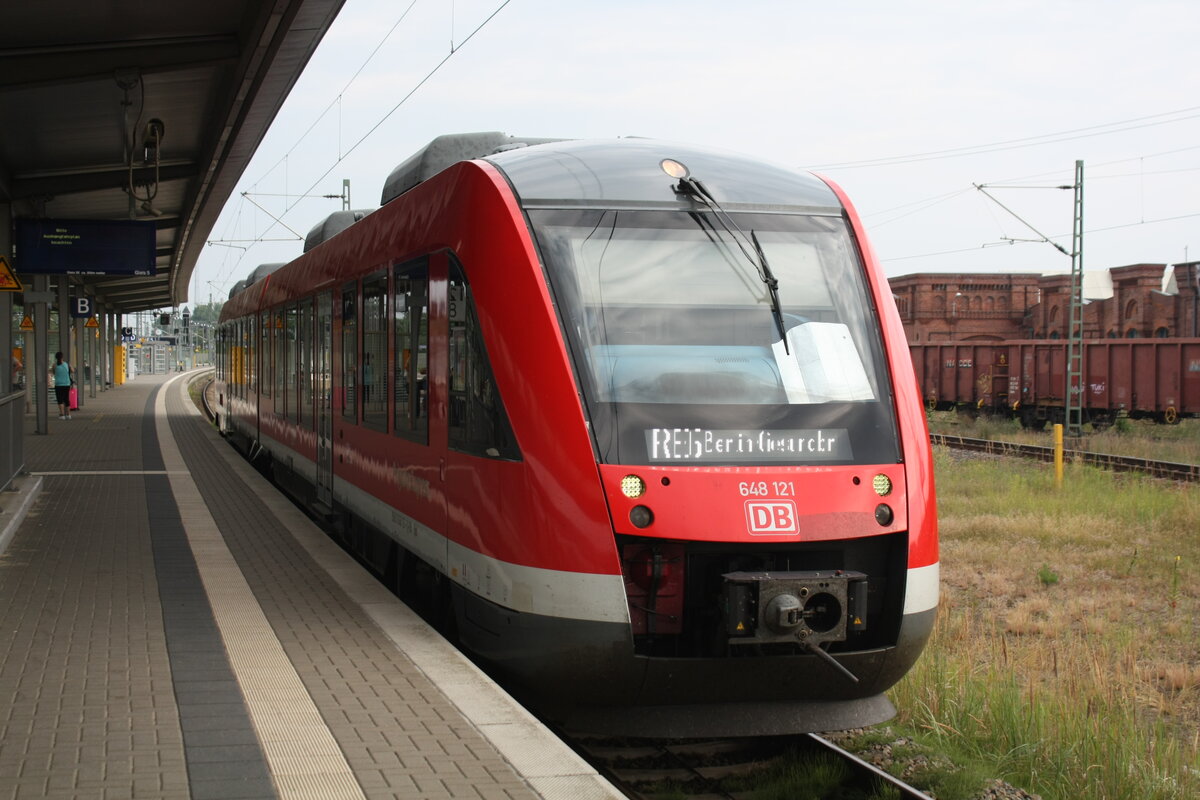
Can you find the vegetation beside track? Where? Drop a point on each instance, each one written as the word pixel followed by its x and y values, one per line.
pixel 1066 658
pixel 1136 438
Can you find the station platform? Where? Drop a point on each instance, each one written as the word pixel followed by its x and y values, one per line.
pixel 172 627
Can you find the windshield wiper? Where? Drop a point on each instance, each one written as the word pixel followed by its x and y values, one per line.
pixel 696 190
pixel 772 287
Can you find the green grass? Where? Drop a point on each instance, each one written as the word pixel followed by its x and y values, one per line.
pixel 1135 438
pixel 803 777
pixel 1064 657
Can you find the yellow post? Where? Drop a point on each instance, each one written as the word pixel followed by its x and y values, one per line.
pixel 1058 456
pixel 119 365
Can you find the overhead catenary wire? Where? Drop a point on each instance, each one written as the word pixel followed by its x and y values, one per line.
pixel 1028 141
pixel 429 75
pixel 1012 182
pixel 336 101
pixel 1055 236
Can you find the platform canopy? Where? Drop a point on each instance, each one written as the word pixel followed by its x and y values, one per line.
pixel 134 110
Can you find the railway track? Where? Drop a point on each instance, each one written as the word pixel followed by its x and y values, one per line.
pixel 1159 469
pixel 206 399
pixel 710 769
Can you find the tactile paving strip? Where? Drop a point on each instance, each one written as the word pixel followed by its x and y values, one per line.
pixel 302 755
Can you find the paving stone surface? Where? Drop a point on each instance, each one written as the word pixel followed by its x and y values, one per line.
pixel 114 679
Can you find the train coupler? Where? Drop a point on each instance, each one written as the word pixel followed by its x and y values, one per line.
pixel 809 608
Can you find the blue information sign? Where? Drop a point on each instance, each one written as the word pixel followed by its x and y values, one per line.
pixel 82 307
pixel 85 246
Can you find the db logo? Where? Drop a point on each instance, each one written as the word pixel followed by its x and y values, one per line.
pixel 771 516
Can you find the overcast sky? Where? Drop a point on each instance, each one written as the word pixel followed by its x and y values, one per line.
pixel 905 105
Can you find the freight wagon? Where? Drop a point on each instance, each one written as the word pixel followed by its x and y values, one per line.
pixel 1155 379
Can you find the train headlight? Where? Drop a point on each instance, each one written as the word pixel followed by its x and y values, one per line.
pixel 882 485
pixel 633 486
pixel 884 514
pixel 641 517
pixel 674 168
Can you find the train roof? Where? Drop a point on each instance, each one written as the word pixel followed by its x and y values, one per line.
pixel 332 225
pixel 259 272
pixel 614 171
pixel 445 151
pixel 628 170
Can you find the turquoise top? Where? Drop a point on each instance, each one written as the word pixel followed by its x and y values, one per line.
pixel 62 374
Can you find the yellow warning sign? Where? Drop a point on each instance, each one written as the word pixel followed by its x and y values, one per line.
pixel 27 323
pixel 8 279
pixel 91 323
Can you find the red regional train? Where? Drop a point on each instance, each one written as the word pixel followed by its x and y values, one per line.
pixel 1155 379
pixel 635 421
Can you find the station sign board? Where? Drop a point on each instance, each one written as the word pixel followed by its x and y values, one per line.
pixel 85 246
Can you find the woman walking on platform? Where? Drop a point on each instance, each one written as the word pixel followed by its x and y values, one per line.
pixel 62 385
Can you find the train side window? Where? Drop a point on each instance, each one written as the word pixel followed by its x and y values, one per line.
pixel 252 355
pixel 411 309
pixel 280 368
pixel 247 356
pixel 290 399
pixel 239 364
pixel 374 351
pixel 264 355
pixel 478 423
pixel 306 340
pixel 350 352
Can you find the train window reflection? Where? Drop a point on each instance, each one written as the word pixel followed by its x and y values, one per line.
pixel 305 343
pixel 478 422
pixel 289 400
pixel 411 310
pixel 275 323
pixel 350 352
pixel 665 308
pixel 374 351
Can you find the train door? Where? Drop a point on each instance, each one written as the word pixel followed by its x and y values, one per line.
pixel 416 461
pixel 323 368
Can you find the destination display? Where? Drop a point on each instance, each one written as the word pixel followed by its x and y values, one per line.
pixel 85 247
pixel 700 444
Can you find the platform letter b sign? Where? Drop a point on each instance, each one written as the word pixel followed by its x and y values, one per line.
pixel 81 307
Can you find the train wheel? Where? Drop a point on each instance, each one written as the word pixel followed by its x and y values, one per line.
pixel 1171 416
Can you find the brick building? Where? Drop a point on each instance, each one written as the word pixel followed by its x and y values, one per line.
pixel 1140 300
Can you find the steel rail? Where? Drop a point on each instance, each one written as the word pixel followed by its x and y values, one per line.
pixel 868 773
pixel 1159 469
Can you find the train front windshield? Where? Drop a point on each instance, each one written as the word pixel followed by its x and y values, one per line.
pixel 685 358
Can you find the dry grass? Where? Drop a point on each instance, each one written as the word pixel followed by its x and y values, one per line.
pixel 1068 644
pixel 1137 439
